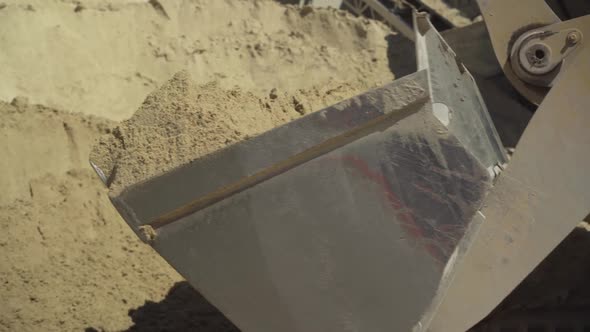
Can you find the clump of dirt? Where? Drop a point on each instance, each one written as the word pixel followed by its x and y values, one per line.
pixel 183 121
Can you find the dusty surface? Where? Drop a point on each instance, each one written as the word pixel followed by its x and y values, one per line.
pixel 182 121
pixel 563 284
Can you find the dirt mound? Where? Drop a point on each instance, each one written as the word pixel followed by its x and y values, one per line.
pixel 182 121
pixel 104 57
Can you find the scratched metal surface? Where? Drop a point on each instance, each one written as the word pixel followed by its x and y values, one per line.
pixel 143 203
pixel 535 203
pixel 454 93
pixel 356 239
pixel 347 219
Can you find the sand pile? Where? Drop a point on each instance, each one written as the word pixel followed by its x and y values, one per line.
pixel 104 57
pixel 182 121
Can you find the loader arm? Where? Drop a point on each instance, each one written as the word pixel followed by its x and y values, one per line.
pixel 545 191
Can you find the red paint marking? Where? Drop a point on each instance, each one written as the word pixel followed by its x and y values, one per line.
pixel 429 192
pixel 404 214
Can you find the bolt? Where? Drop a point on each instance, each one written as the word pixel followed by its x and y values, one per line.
pixel 538 55
pixel 572 38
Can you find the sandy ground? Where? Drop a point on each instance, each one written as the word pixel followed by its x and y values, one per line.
pixel 69 261
pixel 104 57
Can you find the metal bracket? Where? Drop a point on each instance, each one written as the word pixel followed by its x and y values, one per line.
pixel 537 55
pixel 504 21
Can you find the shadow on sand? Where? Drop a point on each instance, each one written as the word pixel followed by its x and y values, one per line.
pixel 560 282
pixel 183 309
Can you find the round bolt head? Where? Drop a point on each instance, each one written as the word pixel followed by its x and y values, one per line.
pixel 573 38
pixel 536 57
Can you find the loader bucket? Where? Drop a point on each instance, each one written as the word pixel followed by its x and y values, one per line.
pixel 347 219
